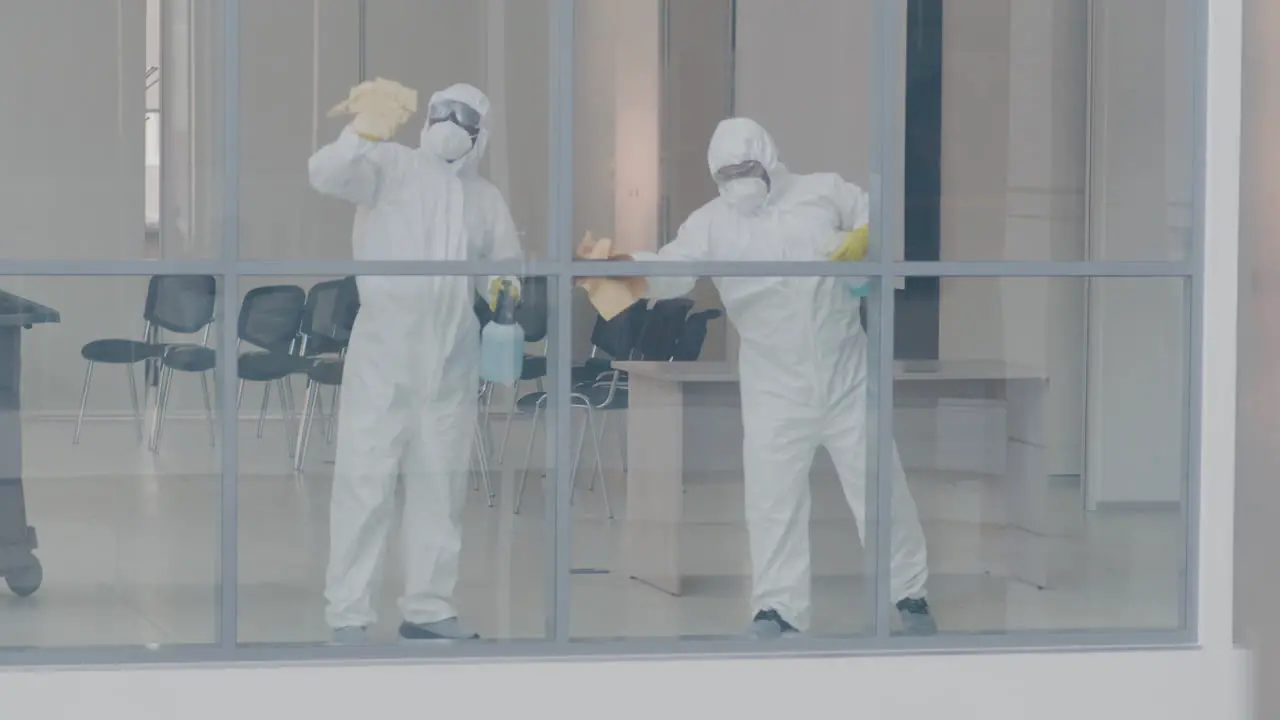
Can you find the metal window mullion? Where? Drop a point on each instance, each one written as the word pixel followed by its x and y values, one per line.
pixel 224 370
pixel 884 227
pixel 1190 505
pixel 961 644
pixel 889 58
pixel 558 421
pixel 712 268
pixel 108 268
pixel 1046 268
pixel 340 267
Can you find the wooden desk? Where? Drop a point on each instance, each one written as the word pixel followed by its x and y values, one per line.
pixel 678 409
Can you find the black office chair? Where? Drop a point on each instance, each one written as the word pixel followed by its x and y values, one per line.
pixel 656 340
pixel 176 303
pixel 689 346
pixel 598 386
pixel 270 320
pixel 328 319
pixel 662 329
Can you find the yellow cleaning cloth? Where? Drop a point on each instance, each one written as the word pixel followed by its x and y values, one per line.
pixel 609 296
pixel 854 246
pixel 380 106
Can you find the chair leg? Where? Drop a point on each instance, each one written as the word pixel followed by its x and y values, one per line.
pixel 162 406
pixel 604 427
pixel 488 417
pixel 482 455
pixel 331 424
pixel 84 399
pixel 286 413
pixel 599 469
pixel 155 413
pixel 133 401
pixel 528 453
pixel 208 409
pixel 506 429
pixel 319 404
pixel 309 403
pixel 577 454
pixel 621 428
pixel 262 413
pixel 477 440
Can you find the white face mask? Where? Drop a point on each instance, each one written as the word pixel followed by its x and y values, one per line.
pixel 447 141
pixel 746 195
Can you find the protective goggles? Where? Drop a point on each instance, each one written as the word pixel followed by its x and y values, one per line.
pixel 739 171
pixel 460 113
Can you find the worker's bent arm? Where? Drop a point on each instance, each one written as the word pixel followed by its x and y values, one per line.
pixel 354 169
pixel 691 244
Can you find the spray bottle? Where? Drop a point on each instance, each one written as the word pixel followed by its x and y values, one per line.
pixel 502 342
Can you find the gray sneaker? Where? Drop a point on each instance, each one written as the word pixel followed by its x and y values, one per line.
pixel 768 625
pixel 350 636
pixel 916 617
pixel 447 629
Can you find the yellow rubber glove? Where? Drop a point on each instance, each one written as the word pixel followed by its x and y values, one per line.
pixel 854 246
pixel 375 127
pixel 380 107
pixel 495 289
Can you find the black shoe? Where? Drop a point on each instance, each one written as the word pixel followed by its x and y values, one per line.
pixel 916 618
pixel 443 630
pixel 768 624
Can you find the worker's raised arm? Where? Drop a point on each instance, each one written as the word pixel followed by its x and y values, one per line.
pixel 355 168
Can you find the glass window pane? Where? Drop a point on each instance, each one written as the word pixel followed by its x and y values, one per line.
pixel 108 505
pixel 378 474
pixel 74 169
pixel 1045 443
pixel 721 488
pixel 1061 130
pixel 302 57
pixel 654 80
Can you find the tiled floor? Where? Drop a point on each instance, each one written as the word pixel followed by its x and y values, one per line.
pixel 129 542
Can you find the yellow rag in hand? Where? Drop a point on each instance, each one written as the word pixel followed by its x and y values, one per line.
pixel 380 107
pixel 609 296
pixel 495 289
pixel 854 246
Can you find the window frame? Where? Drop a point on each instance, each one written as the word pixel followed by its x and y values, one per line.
pixel 888 60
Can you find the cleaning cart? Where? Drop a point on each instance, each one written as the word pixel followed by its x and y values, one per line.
pixel 19 565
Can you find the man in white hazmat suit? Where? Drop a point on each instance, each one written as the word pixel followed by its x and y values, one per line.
pixel 409 387
pixel 803 367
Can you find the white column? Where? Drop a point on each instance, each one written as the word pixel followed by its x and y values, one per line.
pixel 1142 145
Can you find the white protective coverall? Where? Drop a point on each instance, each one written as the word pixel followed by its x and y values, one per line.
pixel 409 386
pixel 802 363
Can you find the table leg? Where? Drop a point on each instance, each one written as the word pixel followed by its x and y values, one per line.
pixel 1027 486
pixel 655 483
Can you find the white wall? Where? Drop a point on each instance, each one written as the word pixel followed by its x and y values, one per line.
pixel 1182 685
pixel 71 148
pixel 1141 200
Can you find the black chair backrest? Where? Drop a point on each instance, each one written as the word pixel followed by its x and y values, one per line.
pixel 689 348
pixel 270 317
pixel 181 303
pixel 534 309
pixel 483 313
pixel 662 328
pixel 532 313
pixel 620 337
pixel 330 314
